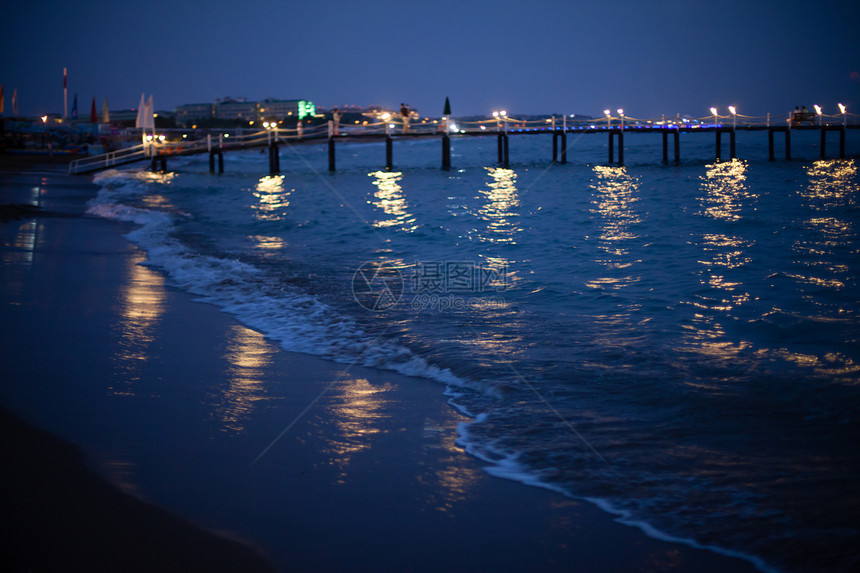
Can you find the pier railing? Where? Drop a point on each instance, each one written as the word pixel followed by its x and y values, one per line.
pixel 108 160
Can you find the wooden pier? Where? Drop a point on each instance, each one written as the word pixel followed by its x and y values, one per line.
pixel 215 144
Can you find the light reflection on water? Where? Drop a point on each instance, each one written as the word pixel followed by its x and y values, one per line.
pixel 832 183
pixel 248 354
pixel 830 190
pixel 141 306
pixel 273 198
pixel 725 198
pixel 614 195
pixel 25 243
pixel 500 210
pixel 390 200
pixel 454 478
pixel 359 412
pixel 726 191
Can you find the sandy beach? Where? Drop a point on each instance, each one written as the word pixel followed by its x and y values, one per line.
pixel 190 442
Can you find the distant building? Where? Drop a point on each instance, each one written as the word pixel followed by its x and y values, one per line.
pixel 192 112
pixel 232 109
pixel 281 109
pixel 238 109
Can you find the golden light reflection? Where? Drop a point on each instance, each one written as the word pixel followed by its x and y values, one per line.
pixel 726 253
pixel 832 186
pixel 248 354
pixel 390 200
pixel 273 198
pixel 832 183
pixel 142 304
pixel 725 197
pixel 500 210
pixel 725 190
pixel 155 177
pixel 706 336
pixel 268 243
pixel 455 478
pixel 834 366
pixel 359 413
pixel 506 275
pixel 615 194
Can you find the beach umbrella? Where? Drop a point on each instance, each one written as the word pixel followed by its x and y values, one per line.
pixel 75 107
pixel 447 110
pixel 94 117
pixel 105 112
pixel 15 102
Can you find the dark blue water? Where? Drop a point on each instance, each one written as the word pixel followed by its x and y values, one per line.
pixel 678 344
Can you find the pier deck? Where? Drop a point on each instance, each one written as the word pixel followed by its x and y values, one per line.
pixel 216 142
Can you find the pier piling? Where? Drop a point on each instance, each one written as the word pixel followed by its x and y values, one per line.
pixel 611 148
pixel 446 152
pixel 841 130
pixel 389 153
pixel 159 160
pixel 507 157
pixel 274 159
pixel 563 147
pixel 331 154
pixel 719 144
pixel 770 131
pixel 842 143
pixel 665 147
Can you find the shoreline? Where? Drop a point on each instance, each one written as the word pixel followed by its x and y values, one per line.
pixel 369 476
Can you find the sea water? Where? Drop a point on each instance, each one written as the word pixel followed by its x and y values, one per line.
pixel 676 343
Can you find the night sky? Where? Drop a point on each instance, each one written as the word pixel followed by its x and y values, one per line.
pixel 541 56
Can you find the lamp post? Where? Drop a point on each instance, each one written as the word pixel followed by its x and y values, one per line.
pixel 621 114
pixel 820 116
pixel 608 118
pixel 716 117
pixel 844 114
pixel 734 113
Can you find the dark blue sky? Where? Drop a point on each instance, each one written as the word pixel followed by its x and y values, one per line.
pixel 541 56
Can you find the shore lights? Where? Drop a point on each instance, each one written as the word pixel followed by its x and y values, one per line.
pixel 500 117
pixel 820 115
pixel 844 113
pixel 734 112
pixel 716 117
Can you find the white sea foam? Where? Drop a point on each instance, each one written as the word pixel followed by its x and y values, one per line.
pixel 298 321
pixel 507 465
